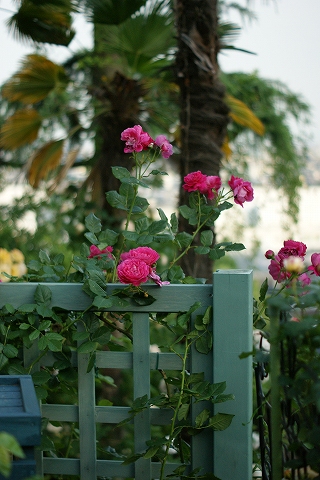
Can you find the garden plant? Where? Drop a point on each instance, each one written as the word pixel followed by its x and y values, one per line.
pixel 289 318
pixel 144 251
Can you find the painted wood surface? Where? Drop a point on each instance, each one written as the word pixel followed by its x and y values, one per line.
pixel 231 298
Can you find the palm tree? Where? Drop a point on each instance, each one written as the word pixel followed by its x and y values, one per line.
pixel 118 85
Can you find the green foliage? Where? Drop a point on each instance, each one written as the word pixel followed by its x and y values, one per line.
pixel 42 327
pixel 8 447
pixel 277 107
pixel 290 317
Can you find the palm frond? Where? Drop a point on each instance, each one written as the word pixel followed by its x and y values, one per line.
pixel 37 77
pixel 243 115
pixel 20 129
pixel 43 161
pixel 111 12
pixel 141 41
pixel 43 21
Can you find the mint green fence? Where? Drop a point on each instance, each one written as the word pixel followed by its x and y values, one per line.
pixel 228 453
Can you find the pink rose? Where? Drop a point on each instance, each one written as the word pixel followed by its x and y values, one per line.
pixel 242 190
pixel 315 267
pixel 96 252
pixel 133 271
pixel 195 181
pixel 304 279
pixel 156 279
pixel 165 147
pixel 292 248
pixel 136 139
pixel 147 254
pixel 213 185
pixel 276 271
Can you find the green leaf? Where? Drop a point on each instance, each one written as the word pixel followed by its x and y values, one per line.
pixel 145 240
pixel 220 421
pixel 235 247
pixel 3 360
pixel 44 311
pixel 140 205
pixel 183 411
pixel 174 223
pixel 10 351
pixel 202 250
pixel 27 308
pixel 116 200
pixel 34 265
pixel 143 298
pixel 263 290
pixel 109 237
pixel 95 288
pixel 24 326
pixel 189 214
pixel 120 173
pixel 204 343
pixel 92 238
pixel 44 257
pixel 93 223
pixel 87 347
pixel 80 336
pixel 157 227
pixel 34 335
pixel 175 274
pixel 17 369
pixel 43 295
pixel 183 239
pixel 206 238
pixel 158 172
pixel 151 452
pixel 202 418
pixel 102 302
pixel 39 378
pixel 133 236
pixel 162 215
pixel 102 335
pixel 9 308
pixel 142 224
pixel 215 253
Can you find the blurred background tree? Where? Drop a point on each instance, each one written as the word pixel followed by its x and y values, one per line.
pixel 61 124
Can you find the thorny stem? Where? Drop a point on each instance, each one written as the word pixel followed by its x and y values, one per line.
pixel 176 410
pixel 119 329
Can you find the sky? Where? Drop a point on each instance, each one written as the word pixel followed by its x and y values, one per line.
pixel 285 39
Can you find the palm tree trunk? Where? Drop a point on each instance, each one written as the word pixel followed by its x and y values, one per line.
pixel 203 113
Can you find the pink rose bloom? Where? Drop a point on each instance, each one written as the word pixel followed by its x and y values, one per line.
pixel 292 249
pixel 156 279
pixel 276 271
pixel 96 252
pixel 136 139
pixel 146 254
pixel 242 190
pixel 165 147
pixel 195 181
pixel 213 185
pixel 304 279
pixel 133 271
pixel 315 267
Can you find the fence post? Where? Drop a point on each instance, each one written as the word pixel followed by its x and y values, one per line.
pixel 232 331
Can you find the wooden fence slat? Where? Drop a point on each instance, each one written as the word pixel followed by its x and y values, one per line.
pixel 141 387
pixel 232 330
pixel 87 421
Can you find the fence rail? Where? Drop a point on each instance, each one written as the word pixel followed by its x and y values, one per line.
pixel 227 454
